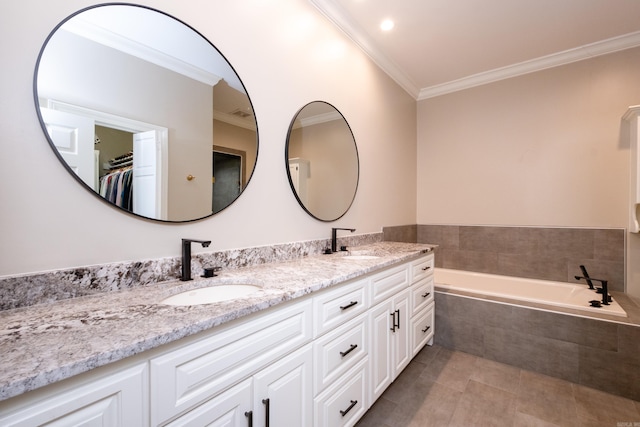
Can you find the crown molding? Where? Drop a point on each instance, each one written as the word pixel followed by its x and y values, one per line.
pixel 321 118
pixel 341 19
pixel 633 110
pixel 132 47
pixel 592 50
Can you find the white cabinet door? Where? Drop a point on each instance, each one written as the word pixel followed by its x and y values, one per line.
pixel 401 334
pixel 283 394
pixel 390 342
pixel 119 399
pixel 380 318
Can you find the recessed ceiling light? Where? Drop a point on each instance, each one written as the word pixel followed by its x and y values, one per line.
pixel 387 25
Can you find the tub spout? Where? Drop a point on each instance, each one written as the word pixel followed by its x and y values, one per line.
pixel 585 276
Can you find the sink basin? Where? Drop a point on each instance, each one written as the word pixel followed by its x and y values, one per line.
pixel 357 257
pixel 211 294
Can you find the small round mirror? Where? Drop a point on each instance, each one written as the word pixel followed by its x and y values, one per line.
pixel 322 161
pixel 145 112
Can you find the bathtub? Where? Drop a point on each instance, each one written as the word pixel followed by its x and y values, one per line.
pixel 560 294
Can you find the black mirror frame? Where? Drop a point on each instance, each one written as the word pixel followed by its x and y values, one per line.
pixel 64 163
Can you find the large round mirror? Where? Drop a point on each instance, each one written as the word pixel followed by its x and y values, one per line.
pixel 322 161
pixel 145 112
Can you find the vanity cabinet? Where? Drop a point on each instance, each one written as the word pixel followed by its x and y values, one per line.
pixel 341 349
pixel 396 321
pixel 422 303
pixel 230 408
pixel 191 374
pixel 345 401
pixel 389 325
pixel 282 393
pixel 321 360
pixel 115 399
pixel 390 345
pixel 334 307
pixel 279 395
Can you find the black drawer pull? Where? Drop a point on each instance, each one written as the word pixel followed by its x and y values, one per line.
pixel 426 329
pixel 426 295
pixel 346 411
pixel 249 415
pixel 426 268
pixel 351 304
pixel 398 312
pixel 351 348
pixel 266 409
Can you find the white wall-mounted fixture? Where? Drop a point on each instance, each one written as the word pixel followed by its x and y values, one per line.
pixel 632 119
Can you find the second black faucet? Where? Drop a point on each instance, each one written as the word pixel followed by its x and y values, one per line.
pixel 186 256
pixel 334 239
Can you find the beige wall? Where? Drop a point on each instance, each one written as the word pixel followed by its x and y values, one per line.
pixel 543 149
pixel 287 55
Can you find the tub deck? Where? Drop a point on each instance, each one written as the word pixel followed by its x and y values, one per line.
pixel 543 294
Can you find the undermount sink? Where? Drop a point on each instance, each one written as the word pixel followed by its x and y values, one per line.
pixel 211 294
pixel 358 257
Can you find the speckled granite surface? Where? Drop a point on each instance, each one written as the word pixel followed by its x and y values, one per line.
pixel 45 343
pixel 45 287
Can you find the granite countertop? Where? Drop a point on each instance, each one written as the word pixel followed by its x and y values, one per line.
pixel 50 342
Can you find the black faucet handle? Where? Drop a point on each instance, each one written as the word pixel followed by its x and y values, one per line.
pixel 211 271
pixel 585 276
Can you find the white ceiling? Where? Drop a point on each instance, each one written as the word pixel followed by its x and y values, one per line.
pixel 439 46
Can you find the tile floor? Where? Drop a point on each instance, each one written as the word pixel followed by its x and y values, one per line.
pixel 441 387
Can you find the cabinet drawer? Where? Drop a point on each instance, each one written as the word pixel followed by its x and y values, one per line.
pixel 336 306
pixel 421 294
pixel 228 408
pixel 116 399
pixel 422 328
pixel 336 352
pixel 343 404
pixel 388 283
pixel 189 375
pixel 422 268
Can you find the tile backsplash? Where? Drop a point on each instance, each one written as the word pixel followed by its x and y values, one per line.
pixel 532 252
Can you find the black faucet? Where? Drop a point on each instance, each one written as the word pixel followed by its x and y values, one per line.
pixel 334 240
pixel 585 276
pixel 604 290
pixel 186 256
